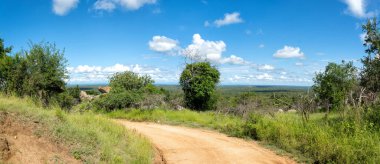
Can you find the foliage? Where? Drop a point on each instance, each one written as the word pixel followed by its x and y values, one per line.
pixel 65 100
pixel 338 141
pixel 198 81
pixel 334 84
pixel 90 138
pixel 370 75
pixel 128 90
pixel 39 72
pixel 129 81
pixel 119 100
pixel 46 71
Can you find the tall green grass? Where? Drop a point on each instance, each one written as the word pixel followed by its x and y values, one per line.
pixel 91 138
pixel 333 141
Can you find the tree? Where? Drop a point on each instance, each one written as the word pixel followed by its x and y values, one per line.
pixel 370 74
pixel 4 50
pixel 45 71
pixel 333 86
pixel 129 81
pixel 5 61
pixel 198 81
pixel 128 89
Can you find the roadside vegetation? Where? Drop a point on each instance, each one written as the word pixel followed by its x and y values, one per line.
pixel 337 120
pixel 90 138
pixel 32 86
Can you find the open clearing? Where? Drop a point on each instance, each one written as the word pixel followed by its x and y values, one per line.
pixel 187 145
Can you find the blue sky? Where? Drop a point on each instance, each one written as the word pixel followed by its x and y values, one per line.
pixel 256 42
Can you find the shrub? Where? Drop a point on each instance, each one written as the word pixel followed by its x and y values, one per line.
pixel 129 81
pixel 118 100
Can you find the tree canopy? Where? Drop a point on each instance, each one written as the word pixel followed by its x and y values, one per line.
pixel 333 85
pixel 198 81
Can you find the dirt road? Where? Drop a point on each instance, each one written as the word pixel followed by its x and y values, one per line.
pixel 188 145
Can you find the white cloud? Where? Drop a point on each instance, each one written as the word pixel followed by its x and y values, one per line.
pixel 163 44
pixel 117 68
pixel 264 76
pixel 289 52
pixel 261 46
pixel 233 60
pixel 266 67
pixel 110 5
pixel 106 5
pixel 198 50
pixel 62 7
pixel 90 74
pixel 357 8
pixel 283 77
pixel 135 4
pixel 299 64
pixel 204 50
pixel 229 18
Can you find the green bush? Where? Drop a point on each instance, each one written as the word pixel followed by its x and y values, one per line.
pixel 121 100
pixel 65 100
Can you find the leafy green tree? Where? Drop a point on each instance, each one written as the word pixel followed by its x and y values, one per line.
pixel 370 74
pixel 198 81
pixel 129 81
pixel 128 89
pixel 332 86
pixel 5 62
pixel 45 71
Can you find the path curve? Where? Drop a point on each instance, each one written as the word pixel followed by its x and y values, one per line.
pixel 188 145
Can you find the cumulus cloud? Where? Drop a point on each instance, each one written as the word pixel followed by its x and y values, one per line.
pixel 110 5
pixel 86 73
pixel 234 60
pixel 266 67
pixel 264 76
pixel 62 7
pixel 357 8
pixel 198 50
pixel 163 44
pixel 229 18
pixel 289 52
pixel 205 50
pixel 201 49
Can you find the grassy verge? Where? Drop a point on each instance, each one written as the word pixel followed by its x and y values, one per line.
pixel 91 138
pixel 334 141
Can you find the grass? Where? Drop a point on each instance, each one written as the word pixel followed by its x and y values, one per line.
pixel 320 141
pixel 90 137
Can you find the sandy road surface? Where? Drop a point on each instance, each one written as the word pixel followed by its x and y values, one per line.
pixel 188 145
